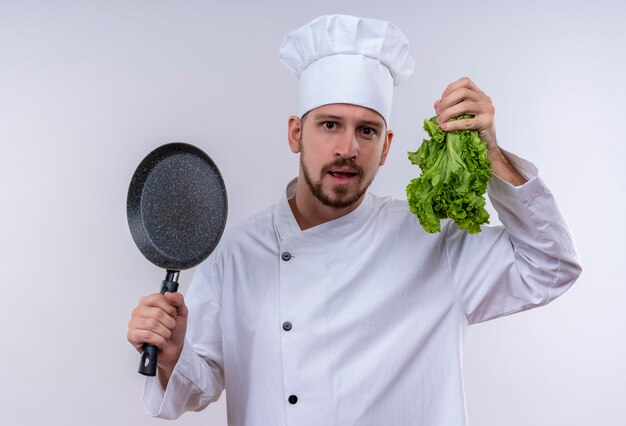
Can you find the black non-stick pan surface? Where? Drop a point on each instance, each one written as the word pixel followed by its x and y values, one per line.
pixel 177 209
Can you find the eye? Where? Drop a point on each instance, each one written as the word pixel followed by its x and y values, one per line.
pixel 329 125
pixel 368 131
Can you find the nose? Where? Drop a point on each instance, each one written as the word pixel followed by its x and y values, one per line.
pixel 347 145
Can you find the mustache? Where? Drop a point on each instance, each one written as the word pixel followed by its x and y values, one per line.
pixel 343 162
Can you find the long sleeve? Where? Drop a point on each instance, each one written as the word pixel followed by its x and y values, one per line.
pixel 198 378
pixel 525 263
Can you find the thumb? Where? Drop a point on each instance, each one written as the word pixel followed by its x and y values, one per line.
pixel 177 300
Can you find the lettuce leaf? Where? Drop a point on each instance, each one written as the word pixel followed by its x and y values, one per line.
pixel 455 169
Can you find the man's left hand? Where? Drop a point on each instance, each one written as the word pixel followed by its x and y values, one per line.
pixel 464 97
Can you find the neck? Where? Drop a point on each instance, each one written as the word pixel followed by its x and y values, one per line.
pixel 310 212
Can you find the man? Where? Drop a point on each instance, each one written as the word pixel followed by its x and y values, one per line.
pixel 334 307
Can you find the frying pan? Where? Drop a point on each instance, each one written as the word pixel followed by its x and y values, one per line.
pixel 176 210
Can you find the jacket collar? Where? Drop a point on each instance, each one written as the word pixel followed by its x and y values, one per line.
pixel 287 228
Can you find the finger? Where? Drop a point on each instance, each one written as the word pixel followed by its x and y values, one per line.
pixel 466 124
pixel 477 123
pixel 460 95
pixel 156 314
pixel 177 300
pixel 140 337
pixel 465 107
pixel 152 325
pixel 157 300
pixel 462 82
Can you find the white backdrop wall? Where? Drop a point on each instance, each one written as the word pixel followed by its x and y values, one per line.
pixel 87 89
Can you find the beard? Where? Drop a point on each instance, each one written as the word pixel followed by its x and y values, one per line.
pixel 340 195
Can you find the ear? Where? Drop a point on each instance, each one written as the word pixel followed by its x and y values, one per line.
pixel 386 146
pixel 294 133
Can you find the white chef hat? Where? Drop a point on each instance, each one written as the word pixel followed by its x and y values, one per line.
pixel 347 59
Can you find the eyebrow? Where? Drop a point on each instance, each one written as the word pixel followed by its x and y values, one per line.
pixel 327 117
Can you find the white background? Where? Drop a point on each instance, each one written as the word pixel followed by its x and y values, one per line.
pixel 87 89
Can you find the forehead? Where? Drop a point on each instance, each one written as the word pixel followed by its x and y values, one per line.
pixel 347 112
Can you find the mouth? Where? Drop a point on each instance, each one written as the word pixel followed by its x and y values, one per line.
pixel 343 174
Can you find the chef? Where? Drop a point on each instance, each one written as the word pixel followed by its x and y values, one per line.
pixel 334 306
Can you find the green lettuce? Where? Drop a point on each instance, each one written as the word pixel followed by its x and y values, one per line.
pixel 455 169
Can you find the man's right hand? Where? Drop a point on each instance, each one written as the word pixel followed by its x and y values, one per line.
pixel 160 319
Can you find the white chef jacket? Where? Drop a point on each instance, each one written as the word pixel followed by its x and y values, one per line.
pixel 377 311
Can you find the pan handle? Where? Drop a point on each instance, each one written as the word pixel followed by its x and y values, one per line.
pixel 148 362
